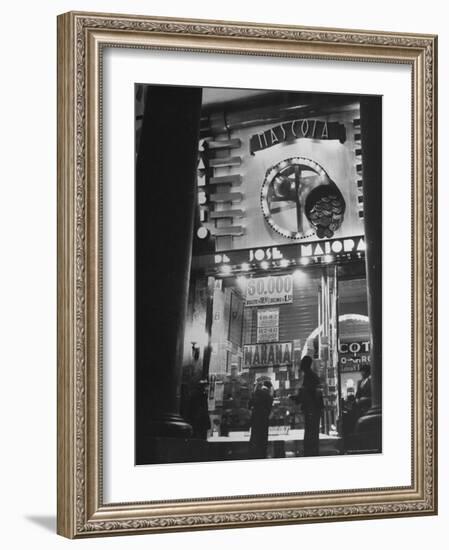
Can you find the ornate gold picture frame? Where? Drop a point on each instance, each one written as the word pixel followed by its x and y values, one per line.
pixel 83 510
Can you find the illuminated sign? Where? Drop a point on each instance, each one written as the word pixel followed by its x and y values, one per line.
pixel 268 325
pixel 333 247
pixel 296 129
pixel 263 355
pixel 354 347
pixel 302 183
pixel 283 256
pixel 262 291
pixel 352 355
pixel 271 253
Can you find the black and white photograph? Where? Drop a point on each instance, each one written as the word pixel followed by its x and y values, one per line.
pixel 258 276
pixel 220 287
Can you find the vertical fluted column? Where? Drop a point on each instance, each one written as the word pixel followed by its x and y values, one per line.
pixel 164 207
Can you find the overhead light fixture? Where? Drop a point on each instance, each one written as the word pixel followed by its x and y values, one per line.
pixel 298 275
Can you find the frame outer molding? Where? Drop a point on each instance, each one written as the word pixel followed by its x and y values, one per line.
pixel 81 511
pixel 66 213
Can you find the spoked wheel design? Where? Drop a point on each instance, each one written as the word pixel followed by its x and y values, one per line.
pixel 299 200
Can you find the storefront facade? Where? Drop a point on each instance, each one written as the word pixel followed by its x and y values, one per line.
pixel 278 267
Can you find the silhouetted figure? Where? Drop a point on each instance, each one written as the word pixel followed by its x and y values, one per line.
pixel 311 399
pixel 363 393
pixel 198 414
pixel 261 404
pixel 349 418
pixel 225 425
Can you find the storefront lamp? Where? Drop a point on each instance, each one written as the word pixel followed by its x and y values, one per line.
pixel 264 264
pixel 328 258
pixel 245 267
pixel 298 275
pixel 202 233
pixel 304 261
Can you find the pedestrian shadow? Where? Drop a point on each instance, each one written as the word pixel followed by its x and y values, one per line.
pixel 46 522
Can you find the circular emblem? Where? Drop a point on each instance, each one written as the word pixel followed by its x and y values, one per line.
pixel 300 200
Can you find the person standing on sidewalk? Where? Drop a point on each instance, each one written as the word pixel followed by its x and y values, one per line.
pixel 260 404
pixel 310 398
